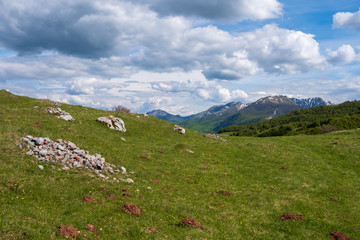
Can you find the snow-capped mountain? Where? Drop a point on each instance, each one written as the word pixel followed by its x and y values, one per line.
pixel 311 102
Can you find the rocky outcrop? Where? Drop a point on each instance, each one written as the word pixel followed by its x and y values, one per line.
pixel 69 156
pixel 60 113
pixel 113 123
pixel 214 136
pixel 179 129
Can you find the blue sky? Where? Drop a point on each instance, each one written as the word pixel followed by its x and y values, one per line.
pixel 179 56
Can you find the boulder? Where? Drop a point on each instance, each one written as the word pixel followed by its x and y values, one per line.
pixel 113 123
pixel 61 114
pixel 179 129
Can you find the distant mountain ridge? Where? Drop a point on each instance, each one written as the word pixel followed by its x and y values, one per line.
pixel 220 116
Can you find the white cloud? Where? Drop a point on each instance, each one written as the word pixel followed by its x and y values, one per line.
pixel 345 54
pixel 347 20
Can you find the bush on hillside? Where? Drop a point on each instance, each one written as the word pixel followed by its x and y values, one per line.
pixel 120 108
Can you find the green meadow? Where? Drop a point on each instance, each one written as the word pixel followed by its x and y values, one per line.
pixel 266 178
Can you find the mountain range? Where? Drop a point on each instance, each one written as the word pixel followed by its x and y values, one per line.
pixel 220 116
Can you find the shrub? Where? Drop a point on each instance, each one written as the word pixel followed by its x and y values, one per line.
pixel 120 108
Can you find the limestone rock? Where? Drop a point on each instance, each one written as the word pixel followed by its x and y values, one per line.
pixel 179 129
pixel 60 114
pixel 113 123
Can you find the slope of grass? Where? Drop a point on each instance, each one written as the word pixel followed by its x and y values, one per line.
pixel 267 177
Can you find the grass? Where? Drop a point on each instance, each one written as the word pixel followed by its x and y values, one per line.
pixel 315 168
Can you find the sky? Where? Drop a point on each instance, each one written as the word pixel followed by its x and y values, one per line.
pixel 179 56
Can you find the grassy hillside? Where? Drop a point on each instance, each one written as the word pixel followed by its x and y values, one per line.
pixel 316 120
pixel 266 178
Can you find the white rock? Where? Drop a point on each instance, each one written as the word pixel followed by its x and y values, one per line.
pixel 123 139
pixel 123 169
pixel 41 167
pixel 113 123
pixel 129 180
pixel 179 129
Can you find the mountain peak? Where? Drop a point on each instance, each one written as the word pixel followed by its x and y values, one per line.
pixel 279 99
pixel 311 102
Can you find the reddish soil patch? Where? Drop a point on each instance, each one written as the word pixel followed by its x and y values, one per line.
pixel 190 222
pixel 161 152
pixel 155 181
pixel 125 190
pixel 164 189
pixel 224 192
pixel 219 204
pixel 103 188
pixel 37 124
pixel 131 209
pixel 290 216
pixel 144 157
pixel 150 230
pixel 338 236
pixel 112 196
pixel 68 231
pixel 335 143
pixel 283 168
pixel 126 195
pixel 91 228
pixel 333 199
pixel 89 199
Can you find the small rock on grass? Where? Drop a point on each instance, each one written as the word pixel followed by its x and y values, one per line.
pixel 41 167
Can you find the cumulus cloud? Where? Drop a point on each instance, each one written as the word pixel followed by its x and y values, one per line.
pixel 345 54
pixel 206 90
pixel 347 20
pixel 225 10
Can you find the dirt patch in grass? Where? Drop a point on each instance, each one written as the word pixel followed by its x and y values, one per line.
pixel 68 231
pixel 112 196
pixel 155 181
pixel 224 192
pixel 151 230
pixel 283 168
pixel 290 216
pixel 90 228
pixel 89 199
pixel 333 199
pixel 190 222
pixel 131 209
pixel 126 193
pixel 338 236
pixel 144 157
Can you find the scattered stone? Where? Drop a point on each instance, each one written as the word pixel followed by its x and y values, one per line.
pixel 148 188
pixel 290 216
pixel 150 230
pixel 68 155
pixel 41 167
pixel 188 150
pixel 91 228
pixel 123 139
pixel 129 180
pixel 113 123
pixel 179 129
pixel 61 114
pixel 333 199
pixel 338 236
pixel 215 136
pixel 224 192
pixel 155 181
pixel 190 222
pixel 68 231
pixel 89 199
pixel 131 209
